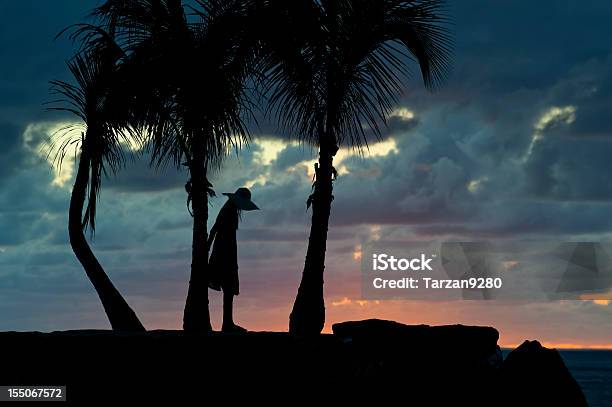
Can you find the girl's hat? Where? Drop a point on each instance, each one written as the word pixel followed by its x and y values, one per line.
pixel 242 199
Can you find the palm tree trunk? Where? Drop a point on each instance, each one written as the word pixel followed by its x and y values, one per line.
pixel 119 313
pixel 308 315
pixel 196 317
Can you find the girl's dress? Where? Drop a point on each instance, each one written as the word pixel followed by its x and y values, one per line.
pixel 223 261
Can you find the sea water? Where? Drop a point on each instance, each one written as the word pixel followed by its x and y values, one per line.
pixel 592 369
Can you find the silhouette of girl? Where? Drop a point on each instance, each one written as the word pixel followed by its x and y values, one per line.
pixel 223 262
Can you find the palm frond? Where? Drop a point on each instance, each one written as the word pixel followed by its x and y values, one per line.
pixel 99 98
pixel 190 85
pixel 346 73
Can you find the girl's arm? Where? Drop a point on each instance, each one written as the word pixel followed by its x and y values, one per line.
pixel 211 236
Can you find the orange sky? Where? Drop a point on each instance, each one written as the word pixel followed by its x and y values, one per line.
pixel 514 328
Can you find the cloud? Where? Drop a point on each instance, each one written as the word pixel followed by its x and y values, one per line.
pixel 449 163
pixel 553 118
pixel 139 176
pixel 57 143
pixel 289 157
pixel 11 151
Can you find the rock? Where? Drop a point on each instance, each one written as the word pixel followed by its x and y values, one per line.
pixel 474 343
pixel 383 361
pixel 536 376
pixel 442 365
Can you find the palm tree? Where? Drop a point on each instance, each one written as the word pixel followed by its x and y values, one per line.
pixel 98 100
pixel 192 76
pixel 336 69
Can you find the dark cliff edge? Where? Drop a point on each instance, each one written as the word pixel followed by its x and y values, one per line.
pixel 363 360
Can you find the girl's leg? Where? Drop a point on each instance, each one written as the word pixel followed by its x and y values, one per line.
pixel 228 314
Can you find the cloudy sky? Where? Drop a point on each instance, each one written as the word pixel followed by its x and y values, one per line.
pixel 516 144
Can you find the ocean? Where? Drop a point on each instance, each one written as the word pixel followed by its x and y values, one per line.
pixel 592 369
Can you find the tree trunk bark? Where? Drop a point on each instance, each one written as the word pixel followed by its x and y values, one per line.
pixel 196 317
pixel 119 313
pixel 308 315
